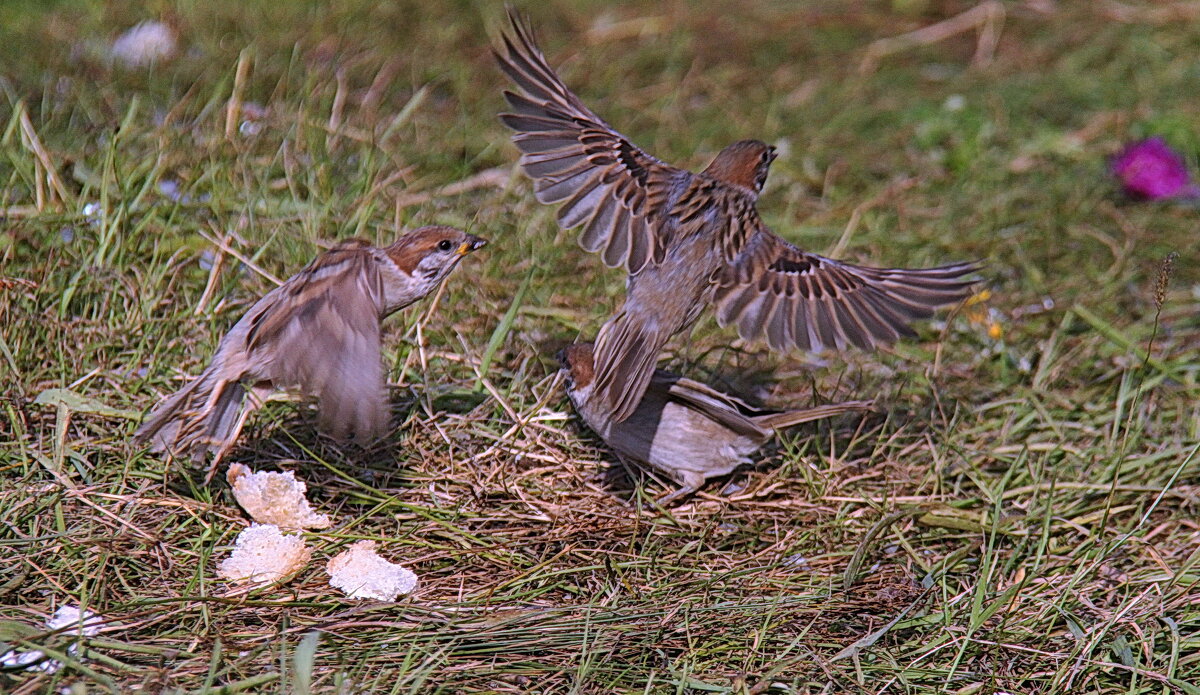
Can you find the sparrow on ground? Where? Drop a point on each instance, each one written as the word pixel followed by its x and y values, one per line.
pixel 681 427
pixel 317 333
pixel 688 240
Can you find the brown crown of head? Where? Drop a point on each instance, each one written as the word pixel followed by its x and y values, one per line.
pixel 577 360
pixel 744 163
pixel 408 251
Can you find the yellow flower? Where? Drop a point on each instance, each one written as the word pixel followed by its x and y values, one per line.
pixel 979 297
pixel 978 313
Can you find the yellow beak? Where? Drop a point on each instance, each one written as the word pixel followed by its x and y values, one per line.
pixel 471 244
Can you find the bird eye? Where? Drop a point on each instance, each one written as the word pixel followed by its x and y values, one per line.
pixel 445 245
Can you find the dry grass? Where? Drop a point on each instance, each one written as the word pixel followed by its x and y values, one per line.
pixel 1020 517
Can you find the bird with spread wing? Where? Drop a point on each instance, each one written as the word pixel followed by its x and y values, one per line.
pixel 690 240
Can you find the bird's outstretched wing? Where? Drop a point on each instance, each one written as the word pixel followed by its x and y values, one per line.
pixel 774 291
pixel 326 340
pixel 610 186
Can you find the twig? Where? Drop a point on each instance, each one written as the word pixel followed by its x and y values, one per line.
pixel 496 177
pixel 240 256
pixel 213 273
pixel 987 17
pixel 33 143
pixel 233 109
pixel 855 215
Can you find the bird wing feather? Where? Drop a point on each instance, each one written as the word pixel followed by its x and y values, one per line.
pixel 327 341
pixel 607 185
pixel 772 290
pixel 732 412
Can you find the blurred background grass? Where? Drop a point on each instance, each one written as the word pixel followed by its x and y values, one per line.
pixel 1026 502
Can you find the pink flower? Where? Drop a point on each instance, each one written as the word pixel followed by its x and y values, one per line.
pixel 1151 169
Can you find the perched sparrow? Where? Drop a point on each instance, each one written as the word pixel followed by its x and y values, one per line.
pixel 689 240
pixel 317 333
pixel 682 427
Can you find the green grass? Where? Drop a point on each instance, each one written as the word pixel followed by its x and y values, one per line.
pixel 1021 516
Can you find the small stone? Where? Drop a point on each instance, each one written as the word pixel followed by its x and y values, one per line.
pixel 144 44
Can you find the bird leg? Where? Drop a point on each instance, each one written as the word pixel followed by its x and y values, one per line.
pixel 689 481
pixel 664 500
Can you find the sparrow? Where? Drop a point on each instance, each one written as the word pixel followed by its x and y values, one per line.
pixel 681 427
pixel 690 240
pixel 318 333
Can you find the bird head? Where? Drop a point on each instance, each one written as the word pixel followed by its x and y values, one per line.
pixel 429 253
pixel 745 163
pixel 576 361
pixel 422 259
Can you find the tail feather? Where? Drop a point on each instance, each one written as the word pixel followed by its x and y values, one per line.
pixel 221 422
pixel 193 421
pixel 624 363
pixel 788 418
pixel 161 426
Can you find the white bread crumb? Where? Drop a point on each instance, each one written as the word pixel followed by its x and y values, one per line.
pixel 263 555
pixel 274 498
pixel 362 573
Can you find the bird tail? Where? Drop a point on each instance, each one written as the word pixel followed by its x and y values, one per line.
pixel 200 417
pixel 788 418
pixel 625 357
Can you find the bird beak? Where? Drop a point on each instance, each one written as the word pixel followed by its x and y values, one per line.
pixel 471 244
pixel 773 153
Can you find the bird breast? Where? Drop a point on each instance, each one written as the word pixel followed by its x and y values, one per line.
pixel 399 289
pixel 671 437
pixel 689 441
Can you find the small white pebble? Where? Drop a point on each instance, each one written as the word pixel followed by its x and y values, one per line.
pixel 954 102
pixel 70 615
pixel 64 617
pixel 144 44
pixel 796 562
pixel 93 213
pixel 170 188
pixel 15 659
